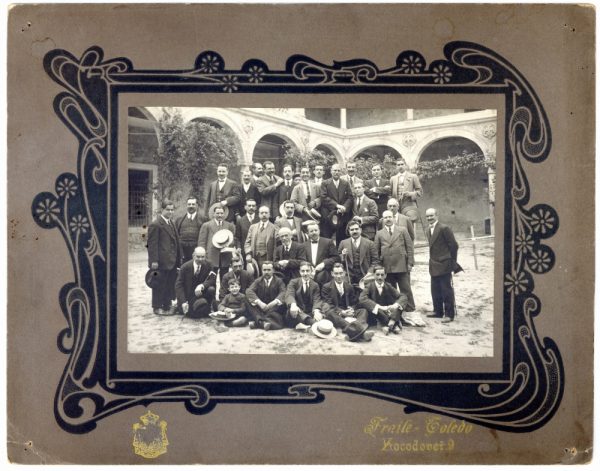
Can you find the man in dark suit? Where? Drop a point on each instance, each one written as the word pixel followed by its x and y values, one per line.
pixel 244 278
pixel 336 202
pixel 288 256
pixel 443 251
pixel 293 223
pixel 378 188
pixel 340 303
pixel 398 218
pixel 242 225
pixel 248 191
pixel 268 187
pixel 383 301
pixel 303 298
pixel 321 253
pixel 195 286
pixel 406 188
pixel 188 227
pixel 163 255
pixel 267 300
pixel 365 210
pixel 358 252
pixel 217 259
pixel 225 191
pixel 284 193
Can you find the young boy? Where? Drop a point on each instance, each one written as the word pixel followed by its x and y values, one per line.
pixel 236 303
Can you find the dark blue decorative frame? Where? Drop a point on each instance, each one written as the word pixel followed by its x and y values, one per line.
pixel 523 397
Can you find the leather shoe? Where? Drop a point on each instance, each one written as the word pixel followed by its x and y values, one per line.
pixel 239 322
pixel 252 324
pixel 159 312
pixel 267 326
pixel 303 327
pixel 367 336
pixel 447 320
pixel 385 330
pixel 438 316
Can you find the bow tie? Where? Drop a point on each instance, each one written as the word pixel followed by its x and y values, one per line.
pixel 314 242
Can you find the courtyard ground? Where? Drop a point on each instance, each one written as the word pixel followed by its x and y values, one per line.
pixel 470 335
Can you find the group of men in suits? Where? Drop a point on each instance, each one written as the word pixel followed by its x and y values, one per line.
pixel 341 220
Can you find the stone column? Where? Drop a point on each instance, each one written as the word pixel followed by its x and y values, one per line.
pixel 492 197
pixel 343 118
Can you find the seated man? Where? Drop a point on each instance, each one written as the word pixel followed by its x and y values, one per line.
pixel 244 277
pixel 340 305
pixel 288 256
pixel 303 297
pixel 195 286
pixel 266 297
pixel 384 301
pixel 236 303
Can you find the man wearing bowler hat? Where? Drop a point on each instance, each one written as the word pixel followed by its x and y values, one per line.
pixel 215 255
pixel 195 286
pixel 163 259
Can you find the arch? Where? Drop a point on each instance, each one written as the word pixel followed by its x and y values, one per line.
pixel 443 134
pixel 364 144
pixel 332 148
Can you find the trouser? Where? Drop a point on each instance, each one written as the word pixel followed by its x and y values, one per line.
pixel 442 294
pixel 339 322
pixel 384 318
pixel 302 317
pixel 274 316
pixel 165 291
pixel 200 306
pixel 187 250
pixel 402 281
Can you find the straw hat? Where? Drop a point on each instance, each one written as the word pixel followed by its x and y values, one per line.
pixel 324 329
pixel 222 238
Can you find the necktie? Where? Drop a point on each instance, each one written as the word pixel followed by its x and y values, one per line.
pixel 355 243
pixel 389 230
pixel 262 227
pixel 358 205
pixel 307 191
pixel 197 272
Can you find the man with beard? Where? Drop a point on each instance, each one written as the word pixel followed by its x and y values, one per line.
pixel 378 188
pixel 217 259
pixel 225 191
pixel 268 187
pixel 365 211
pixel 260 242
pixel 267 300
pixel 321 253
pixel 242 225
pixel 336 204
pixel 293 223
pixel 188 227
pixel 303 298
pixel 195 286
pixel 288 256
pixel 358 253
pixel 248 191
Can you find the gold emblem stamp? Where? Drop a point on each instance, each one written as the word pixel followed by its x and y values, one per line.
pixel 150 436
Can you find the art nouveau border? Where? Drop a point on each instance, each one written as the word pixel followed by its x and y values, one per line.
pixel 83 209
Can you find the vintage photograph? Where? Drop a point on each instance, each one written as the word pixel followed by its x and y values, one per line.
pixel 328 231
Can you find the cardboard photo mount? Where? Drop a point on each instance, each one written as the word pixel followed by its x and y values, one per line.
pixel 150 407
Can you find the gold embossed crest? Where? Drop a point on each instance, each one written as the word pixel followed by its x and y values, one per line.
pixel 150 436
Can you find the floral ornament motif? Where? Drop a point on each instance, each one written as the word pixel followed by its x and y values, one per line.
pixel 412 64
pixel 79 224
pixel 489 131
pixel 524 243
pixel 66 187
pixel 516 283
pixel 409 140
pixel 540 261
pixel 543 221
pixel 231 84
pixel 442 73
pixel 47 210
pixel 209 64
pixel 256 74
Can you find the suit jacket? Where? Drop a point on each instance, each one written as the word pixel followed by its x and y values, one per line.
pixel 301 200
pixel 396 251
pixel 284 193
pixel 326 252
pixel 378 193
pixel 370 297
pixel 411 184
pixel 443 251
pixel 250 244
pixel 282 222
pixel 269 193
pixel 242 225
pixel 259 290
pixel 293 295
pixel 356 180
pixel 207 231
pixel 367 253
pixel 197 221
pixel 187 281
pixel 400 220
pixel 163 245
pixel 331 296
pixel 251 194
pixel 230 193
pixel 244 277
pixel 369 214
pixel 296 256
pixel 332 196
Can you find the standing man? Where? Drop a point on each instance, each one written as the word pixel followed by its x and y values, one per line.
pixel 266 297
pixel 350 176
pixel 358 253
pixel 321 253
pixel 406 188
pixel 378 188
pixel 336 204
pixel 257 171
pixel 318 172
pixel 398 218
pixel 248 191
pixel 395 251
pixel 242 225
pixel 216 259
pixel 286 188
pixel 195 286
pixel 303 298
pixel 288 256
pixel 163 256
pixel 443 251
pixel 268 187
pixel 290 221
pixel 188 227
pixel 365 211
pixel 224 191
pixel 260 242
pixel 306 195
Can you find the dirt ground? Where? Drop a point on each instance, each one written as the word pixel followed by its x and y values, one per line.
pixel 470 335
